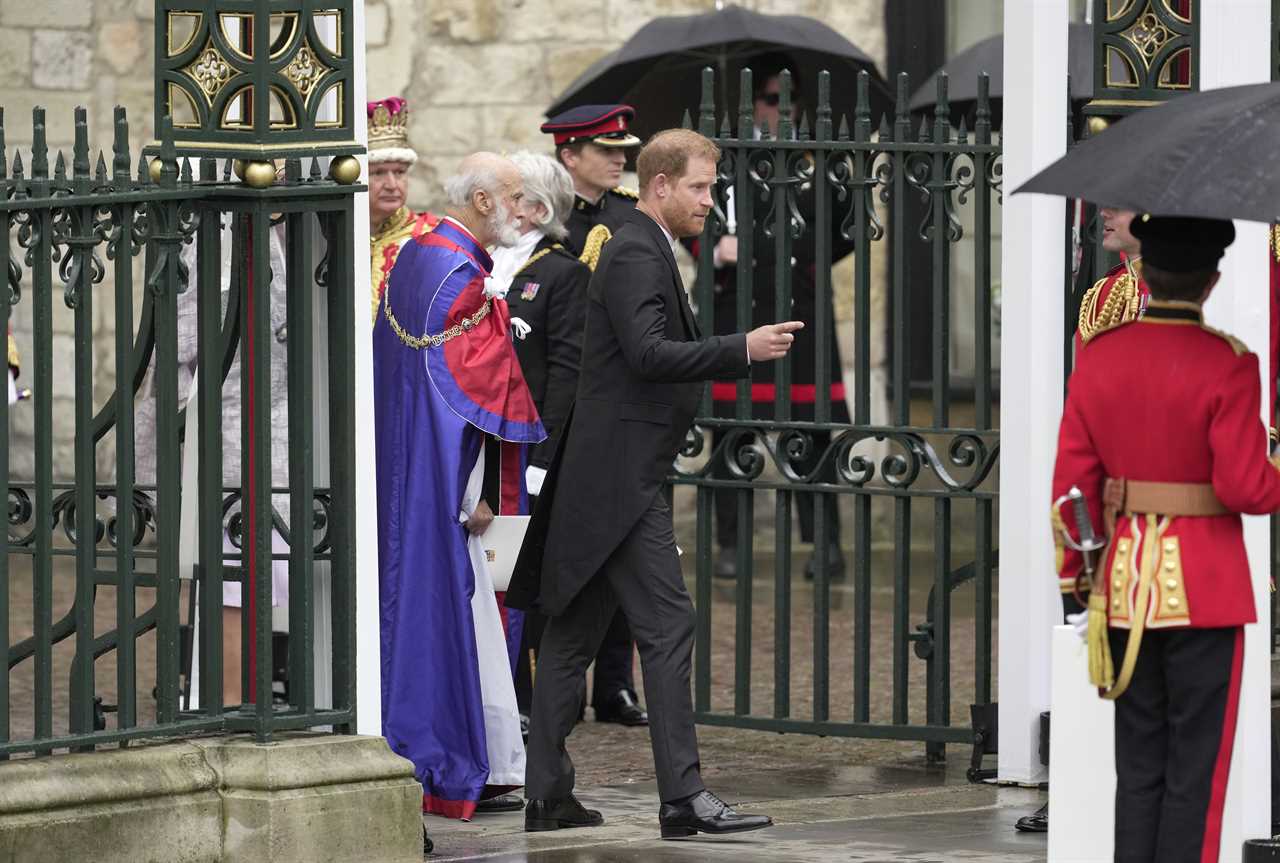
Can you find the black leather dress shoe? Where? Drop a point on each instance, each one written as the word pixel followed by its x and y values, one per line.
pixel 505 803
pixel 835 565
pixel 1036 822
pixel 705 813
pixel 726 566
pixel 427 845
pixel 556 814
pixel 623 709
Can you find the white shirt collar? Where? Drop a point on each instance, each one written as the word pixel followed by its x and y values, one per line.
pixel 508 261
pixel 671 240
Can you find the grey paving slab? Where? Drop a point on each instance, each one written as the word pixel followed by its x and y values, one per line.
pixel 854 814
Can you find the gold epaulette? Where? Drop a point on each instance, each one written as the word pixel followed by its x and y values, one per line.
pixel 1236 345
pixel 1119 308
pixel 596 238
pixel 15 361
pixel 626 193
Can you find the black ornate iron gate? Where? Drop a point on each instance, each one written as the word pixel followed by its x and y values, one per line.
pixel 806 193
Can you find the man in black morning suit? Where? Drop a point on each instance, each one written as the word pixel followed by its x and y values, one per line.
pixel 602 536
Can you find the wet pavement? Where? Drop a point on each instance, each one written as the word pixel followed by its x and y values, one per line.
pixel 856 814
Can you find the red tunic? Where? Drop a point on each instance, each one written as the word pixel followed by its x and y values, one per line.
pixel 1166 399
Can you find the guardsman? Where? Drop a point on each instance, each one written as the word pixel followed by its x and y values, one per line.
pixel 391 222
pixel 1161 432
pixel 591 142
pixel 1120 296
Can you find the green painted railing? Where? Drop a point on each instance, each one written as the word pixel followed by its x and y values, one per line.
pixel 78 236
pixel 859 178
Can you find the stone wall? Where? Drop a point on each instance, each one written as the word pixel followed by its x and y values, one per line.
pixel 478 73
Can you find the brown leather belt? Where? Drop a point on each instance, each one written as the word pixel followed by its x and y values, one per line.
pixel 1130 496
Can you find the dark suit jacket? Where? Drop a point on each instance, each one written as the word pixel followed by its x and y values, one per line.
pixel 643 362
pixel 550 295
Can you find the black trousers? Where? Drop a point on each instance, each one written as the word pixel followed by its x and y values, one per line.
pixel 613 672
pixel 726 500
pixel 643 578
pixel 1175 728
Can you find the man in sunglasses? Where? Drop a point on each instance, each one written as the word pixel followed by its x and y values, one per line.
pixel 767 82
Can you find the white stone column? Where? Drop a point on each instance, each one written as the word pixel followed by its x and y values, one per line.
pixel 1235 49
pixel 1032 255
pixel 368 662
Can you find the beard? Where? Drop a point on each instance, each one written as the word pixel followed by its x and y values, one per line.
pixel 501 227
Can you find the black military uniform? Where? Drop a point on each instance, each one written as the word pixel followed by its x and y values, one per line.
pixel 804 365
pixel 590 225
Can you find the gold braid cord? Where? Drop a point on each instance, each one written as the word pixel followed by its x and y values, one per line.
pixel 1275 241
pixel 533 259
pixel 428 341
pixel 596 238
pixel 1120 306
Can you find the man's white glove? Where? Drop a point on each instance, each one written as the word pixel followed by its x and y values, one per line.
pixel 533 477
pixel 520 328
pixel 1080 623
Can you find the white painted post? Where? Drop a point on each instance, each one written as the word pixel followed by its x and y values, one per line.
pixel 1034 134
pixel 368 661
pixel 1235 48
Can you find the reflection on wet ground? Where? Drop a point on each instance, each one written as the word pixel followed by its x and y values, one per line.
pixel 855 814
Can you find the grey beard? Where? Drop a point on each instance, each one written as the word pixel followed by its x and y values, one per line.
pixel 501 229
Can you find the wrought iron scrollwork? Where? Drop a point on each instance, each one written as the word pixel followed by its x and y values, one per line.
pixel 793 449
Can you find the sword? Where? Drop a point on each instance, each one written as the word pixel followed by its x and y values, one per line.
pixel 1089 541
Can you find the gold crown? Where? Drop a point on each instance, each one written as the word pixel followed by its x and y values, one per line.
pixel 387 130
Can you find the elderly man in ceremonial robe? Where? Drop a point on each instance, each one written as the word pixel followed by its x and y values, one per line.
pixel 453 418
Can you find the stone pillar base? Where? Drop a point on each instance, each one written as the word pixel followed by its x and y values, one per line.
pixel 318 798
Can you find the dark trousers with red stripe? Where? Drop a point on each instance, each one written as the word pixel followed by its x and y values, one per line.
pixel 726 500
pixel 1174 729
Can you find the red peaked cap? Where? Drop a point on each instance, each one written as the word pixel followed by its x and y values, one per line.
pixel 605 125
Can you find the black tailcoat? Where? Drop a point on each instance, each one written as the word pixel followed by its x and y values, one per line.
pixel 644 363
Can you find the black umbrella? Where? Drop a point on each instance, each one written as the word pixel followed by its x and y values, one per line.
pixel 1212 154
pixel 658 71
pixel 988 56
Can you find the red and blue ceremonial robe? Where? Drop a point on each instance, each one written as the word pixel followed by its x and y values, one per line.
pixel 447 386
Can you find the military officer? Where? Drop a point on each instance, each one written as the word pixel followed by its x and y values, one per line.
pixel 1120 296
pixel 591 142
pixel 1166 614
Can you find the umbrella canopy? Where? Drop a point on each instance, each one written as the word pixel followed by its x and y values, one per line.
pixel 988 56
pixel 1212 154
pixel 659 69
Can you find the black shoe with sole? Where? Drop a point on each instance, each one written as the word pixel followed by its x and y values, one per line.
pixel 427 845
pixel 705 813
pixel 1036 822
pixel 505 803
pixel 557 814
pixel 623 709
pixel 835 565
pixel 726 565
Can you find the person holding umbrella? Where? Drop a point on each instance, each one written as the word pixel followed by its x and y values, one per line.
pixel 767 72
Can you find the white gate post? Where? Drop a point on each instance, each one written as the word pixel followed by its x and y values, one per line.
pixel 1032 261
pixel 368 662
